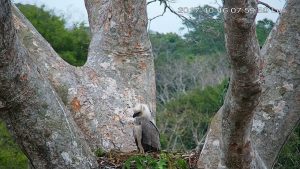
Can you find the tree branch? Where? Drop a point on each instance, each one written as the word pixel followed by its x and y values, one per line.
pixel 278 113
pixel 268 6
pixel 180 16
pixel 243 93
pixel 244 89
pixel 151 2
pixel 59 72
pixel 165 9
pixel 42 126
pixel 167 6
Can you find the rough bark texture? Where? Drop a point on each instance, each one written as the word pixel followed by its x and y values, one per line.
pixel 57 111
pixel 279 111
pixel 228 143
pixel 118 74
pixel 40 122
pixel 121 72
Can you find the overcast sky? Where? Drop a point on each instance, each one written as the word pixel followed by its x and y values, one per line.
pixel 74 11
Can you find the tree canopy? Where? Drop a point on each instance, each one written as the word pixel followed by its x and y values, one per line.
pixel 70 43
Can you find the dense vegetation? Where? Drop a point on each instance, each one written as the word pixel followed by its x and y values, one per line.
pixel 184 120
pixel 191 75
pixel 11 156
pixel 70 43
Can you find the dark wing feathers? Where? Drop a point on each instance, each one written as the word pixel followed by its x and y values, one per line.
pixel 150 136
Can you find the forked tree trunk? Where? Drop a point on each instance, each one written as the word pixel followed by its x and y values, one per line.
pixel 228 145
pixel 59 113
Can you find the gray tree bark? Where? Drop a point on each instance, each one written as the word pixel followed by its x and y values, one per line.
pixel 243 135
pixel 279 111
pixel 229 139
pixel 41 124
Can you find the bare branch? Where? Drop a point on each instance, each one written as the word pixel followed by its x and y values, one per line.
pixel 201 143
pixel 167 6
pixel 151 2
pixel 180 16
pixel 268 6
pixel 165 9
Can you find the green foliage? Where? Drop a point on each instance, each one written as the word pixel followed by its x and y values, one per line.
pixel 182 164
pixel 100 152
pixel 168 46
pixel 263 28
pixel 11 157
pixel 70 43
pixel 289 156
pixel 165 161
pixel 141 162
pixel 187 117
pixel 206 35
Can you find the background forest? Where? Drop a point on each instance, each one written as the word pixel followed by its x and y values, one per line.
pixel 191 79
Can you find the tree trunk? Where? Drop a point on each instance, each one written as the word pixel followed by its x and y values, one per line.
pixel 120 69
pixel 228 144
pixel 41 124
pixel 279 111
pixel 59 112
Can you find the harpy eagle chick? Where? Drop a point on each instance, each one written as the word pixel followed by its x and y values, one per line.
pixel 145 132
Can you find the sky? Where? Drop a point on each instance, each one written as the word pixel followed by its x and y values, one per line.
pixel 74 11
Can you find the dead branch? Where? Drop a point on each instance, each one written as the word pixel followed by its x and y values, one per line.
pixel 268 6
pixel 167 6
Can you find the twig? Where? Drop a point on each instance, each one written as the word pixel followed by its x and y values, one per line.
pixel 165 9
pixel 167 6
pixel 181 16
pixel 151 2
pixel 270 7
pixel 201 142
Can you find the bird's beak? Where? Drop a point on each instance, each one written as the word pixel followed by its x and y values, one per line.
pixel 136 114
